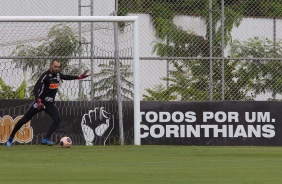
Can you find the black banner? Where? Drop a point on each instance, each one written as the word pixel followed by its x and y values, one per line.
pixel 211 123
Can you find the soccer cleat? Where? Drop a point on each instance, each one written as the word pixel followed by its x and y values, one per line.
pixel 10 142
pixel 47 142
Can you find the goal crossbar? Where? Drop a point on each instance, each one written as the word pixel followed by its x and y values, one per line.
pixel 133 19
pixel 68 18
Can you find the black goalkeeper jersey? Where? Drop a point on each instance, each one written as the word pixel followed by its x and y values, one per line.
pixel 47 85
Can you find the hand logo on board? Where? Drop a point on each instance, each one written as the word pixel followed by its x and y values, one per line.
pixel 96 126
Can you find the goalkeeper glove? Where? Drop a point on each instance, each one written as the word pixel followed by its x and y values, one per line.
pixel 84 75
pixel 40 105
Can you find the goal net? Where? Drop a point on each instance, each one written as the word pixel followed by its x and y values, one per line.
pixel 100 109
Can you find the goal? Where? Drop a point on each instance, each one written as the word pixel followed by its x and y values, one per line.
pixel 108 46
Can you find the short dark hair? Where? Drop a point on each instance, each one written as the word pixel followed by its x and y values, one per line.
pixel 54 59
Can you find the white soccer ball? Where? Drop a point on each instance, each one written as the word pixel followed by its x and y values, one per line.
pixel 65 142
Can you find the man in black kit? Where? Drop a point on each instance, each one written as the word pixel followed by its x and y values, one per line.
pixel 45 91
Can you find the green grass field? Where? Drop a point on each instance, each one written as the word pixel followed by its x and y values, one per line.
pixel 140 164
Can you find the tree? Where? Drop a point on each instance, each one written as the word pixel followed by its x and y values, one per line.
pixel 159 93
pixel 189 86
pixel 7 92
pixel 245 79
pixel 262 76
pixel 105 88
pixel 176 42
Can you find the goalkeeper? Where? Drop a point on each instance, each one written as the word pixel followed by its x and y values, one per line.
pixel 45 91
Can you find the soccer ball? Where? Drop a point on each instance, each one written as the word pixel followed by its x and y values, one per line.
pixel 65 142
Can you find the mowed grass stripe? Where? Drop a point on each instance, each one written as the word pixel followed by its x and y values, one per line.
pixel 140 164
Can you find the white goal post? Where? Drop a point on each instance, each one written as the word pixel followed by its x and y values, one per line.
pixel 133 19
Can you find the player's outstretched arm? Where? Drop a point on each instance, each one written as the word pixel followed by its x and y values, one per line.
pixel 73 77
